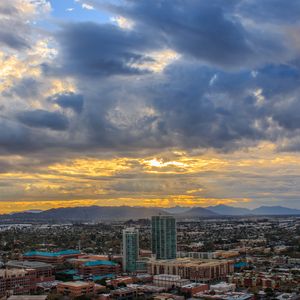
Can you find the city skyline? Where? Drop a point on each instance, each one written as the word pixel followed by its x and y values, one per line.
pixel 149 103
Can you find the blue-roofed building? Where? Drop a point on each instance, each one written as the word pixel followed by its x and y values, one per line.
pixel 241 265
pixel 100 277
pixel 97 268
pixel 56 257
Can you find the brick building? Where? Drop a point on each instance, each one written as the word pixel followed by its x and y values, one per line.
pixel 43 271
pixel 78 288
pixel 17 281
pixel 96 267
pixel 193 269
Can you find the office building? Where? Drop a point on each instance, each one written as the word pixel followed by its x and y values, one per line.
pixel 163 237
pixel 193 269
pixel 130 249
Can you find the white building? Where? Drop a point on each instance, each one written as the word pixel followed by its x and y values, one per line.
pixel 169 281
pixel 223 287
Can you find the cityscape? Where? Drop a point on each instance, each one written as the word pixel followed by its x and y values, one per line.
pixel 162 257
pixel 149 149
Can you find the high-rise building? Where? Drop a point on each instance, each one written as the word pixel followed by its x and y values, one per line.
pixel 163 237
pixel 130 249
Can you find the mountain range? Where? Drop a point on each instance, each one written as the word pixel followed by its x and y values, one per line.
pixel 105 213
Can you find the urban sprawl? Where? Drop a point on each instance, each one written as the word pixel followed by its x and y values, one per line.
pixel 230 259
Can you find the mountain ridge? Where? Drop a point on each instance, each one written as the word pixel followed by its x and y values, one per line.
pixel 105 213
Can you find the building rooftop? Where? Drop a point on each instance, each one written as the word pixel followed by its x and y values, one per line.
pixel 28 297
pixel 193 284
pixel 75 283
pixel 52 254
pixel 99 263
pixel 226 296
pixel 68 272
pixel 221 285
pixel 166 277
pixel 28 264
pixel 190 261
pixel 106 276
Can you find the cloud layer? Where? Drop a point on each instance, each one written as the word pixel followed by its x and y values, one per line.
pixel 162 76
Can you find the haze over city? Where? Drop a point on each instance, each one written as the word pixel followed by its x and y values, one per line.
pixel 149 103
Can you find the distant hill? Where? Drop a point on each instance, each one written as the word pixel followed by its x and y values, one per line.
pixel 176 209
pixel 106 213
pixel 229 210
pixel 86 213
pixel 197 212
pixel 275 210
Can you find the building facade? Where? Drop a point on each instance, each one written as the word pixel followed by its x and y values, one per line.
pixel 169 281
pixel 98 268
pixel 193 269
pixel 130 249
pixel 78 288
pixel 17 281
pixel 43 271
pixel 163 237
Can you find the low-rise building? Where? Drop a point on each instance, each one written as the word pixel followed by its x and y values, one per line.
pixel 223 287
pixel 209 255
pixel 263 280
pixel 167 296
pixel 98 267
pixel 192 269
pixel 27 297
pixel 120 280
pixel 193 288
pixel 169 281
pixel 17 281
pixel 78 288
pixel 225 296
pixel 125 293
pixel 43 271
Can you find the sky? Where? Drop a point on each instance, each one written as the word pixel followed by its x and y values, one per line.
pixel 149 103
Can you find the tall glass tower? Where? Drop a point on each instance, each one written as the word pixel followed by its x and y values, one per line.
pixel 130 249
pixel 163 237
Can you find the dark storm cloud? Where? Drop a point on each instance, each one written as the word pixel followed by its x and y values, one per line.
pixel 94 50
pixel 199 29
pixel 274 11
pixel 232 85
pixel 44 119
pixel 68 100
pixel 209 31
pixel 13 136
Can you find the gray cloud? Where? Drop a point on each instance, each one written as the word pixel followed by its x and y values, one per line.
pixel 273 11
pixel 95 50
pixel 207 98
pixel 68 100
pixel 44 119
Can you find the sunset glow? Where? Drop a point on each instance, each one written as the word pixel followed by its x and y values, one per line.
pixel 132 103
